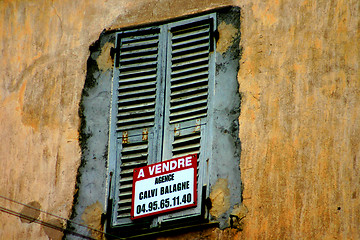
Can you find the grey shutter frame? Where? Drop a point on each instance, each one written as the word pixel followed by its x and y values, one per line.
pixel 131 75
pixel 136 115
pixel 189 78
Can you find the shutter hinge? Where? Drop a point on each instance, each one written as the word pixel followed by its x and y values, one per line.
pixel 145 134
pixel 125 137
pixel 112 52
pixel 214 36
pixel 115 53
pixel 197 125
pixel 177 129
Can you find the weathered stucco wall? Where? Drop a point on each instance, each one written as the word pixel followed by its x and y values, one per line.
pixel 299 123
pixel 300 119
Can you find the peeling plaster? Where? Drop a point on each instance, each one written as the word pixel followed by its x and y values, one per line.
pixel 92 218
pixel 104 61
pixel 237 215
pixel 30 214
pixel 220 198
pixel 227 33
pixel 52 233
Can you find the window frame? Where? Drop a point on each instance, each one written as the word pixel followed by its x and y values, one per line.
pixel 113 167
pixel 222 135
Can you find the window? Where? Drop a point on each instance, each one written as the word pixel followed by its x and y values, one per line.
pixel 167 101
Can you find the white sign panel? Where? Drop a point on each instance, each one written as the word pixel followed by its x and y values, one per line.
pixel 165 186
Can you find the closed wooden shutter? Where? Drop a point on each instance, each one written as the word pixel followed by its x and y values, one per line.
pixel 138 108
pixel 186 105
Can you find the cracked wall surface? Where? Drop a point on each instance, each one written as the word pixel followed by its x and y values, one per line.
pixel 299 122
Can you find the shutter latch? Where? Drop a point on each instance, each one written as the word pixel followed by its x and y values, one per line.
pixel 177 129
pixel 145 134
pixel 197 125
pixel 125 138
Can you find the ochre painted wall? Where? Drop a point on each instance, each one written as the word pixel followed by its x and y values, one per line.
pixel 300 119
pixel 299 124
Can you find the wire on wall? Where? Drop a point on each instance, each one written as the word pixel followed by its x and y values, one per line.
pixel 47 224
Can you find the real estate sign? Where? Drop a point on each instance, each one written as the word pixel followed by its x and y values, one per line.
pixel 166 186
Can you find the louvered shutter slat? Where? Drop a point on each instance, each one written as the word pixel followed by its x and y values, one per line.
pixel 133 73
pixel 138 85
pixel 190 75
pixel 187 117
pixel 137 101
pixel 189 104
pixel 188 46
pixel 135 113
pixel 188 92
pixel 181 72
pixel 141 78
pixel 191 53
pixel 184 139
pixel 134 66
pixel 134 59
pixel 133 36
pixel 186 83
pixel 185 99
pixel 146 40
pixel 198 45
pixel 193 35
pixel 202 59
pixel 137 121
pixel 125 195
pixel 125 186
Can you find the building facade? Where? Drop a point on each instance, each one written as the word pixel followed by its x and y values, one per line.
pixel 293 172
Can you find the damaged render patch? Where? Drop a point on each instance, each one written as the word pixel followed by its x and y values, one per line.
pixel 237 216
pixel 92 218
pixel 55 232
pixel 220 198
pixel 227 33
pixel 30 214
pixel 104 61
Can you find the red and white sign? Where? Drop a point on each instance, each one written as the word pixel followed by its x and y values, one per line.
pixel 166 186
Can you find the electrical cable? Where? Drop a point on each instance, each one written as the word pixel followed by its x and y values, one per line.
pixel 3 209
pixel 46 224
pixel 11 200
